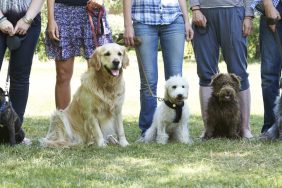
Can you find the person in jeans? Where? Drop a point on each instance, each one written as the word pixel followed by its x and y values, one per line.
pixel 226 25
pixel 270 58
pixel 68 35
pixel 20 18
pixel 155 21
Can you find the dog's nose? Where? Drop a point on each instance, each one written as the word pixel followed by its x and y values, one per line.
pixel 116 62
pixel 180 96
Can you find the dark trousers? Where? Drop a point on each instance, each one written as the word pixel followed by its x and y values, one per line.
pixel 20 61
pixel 270 69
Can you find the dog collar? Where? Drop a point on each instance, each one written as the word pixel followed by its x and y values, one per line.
pixel 177 108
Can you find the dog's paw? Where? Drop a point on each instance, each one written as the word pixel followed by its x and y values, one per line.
pixel 101 143
pixel 187 141
pixel 162 139
pixel 123 143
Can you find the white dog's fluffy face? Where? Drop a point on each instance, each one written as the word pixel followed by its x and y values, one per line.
pixel 111 56
pixel 176 89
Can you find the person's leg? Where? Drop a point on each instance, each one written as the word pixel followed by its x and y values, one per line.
pixel 172 39
pixel 64 71
pixel 20 67
pixel 206 49
pixel 234 50
pixel 270 71
pixel 147 56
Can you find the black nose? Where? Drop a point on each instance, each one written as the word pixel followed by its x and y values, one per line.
pixel 116 62
pixel 179 96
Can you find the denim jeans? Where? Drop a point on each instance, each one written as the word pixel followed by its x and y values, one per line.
pixel 20 66
pixel 270 69
pixel 172 40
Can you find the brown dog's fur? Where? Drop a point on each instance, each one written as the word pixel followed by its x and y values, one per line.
pixel 223 114
pixel 94 114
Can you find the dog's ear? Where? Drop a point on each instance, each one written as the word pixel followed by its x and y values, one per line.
pixel 166 95
pixel 236 78
pixel 215 77
pixel 95 60
pixel 125 59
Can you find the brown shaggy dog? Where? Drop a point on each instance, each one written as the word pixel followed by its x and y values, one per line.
pixel 94 115
pixel 223 114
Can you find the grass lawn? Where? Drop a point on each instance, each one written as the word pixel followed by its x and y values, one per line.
pixel 214 163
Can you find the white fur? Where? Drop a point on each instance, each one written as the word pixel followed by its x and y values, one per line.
pixel 163 128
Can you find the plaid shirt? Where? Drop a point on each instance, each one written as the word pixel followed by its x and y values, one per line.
pixel 155 12
pixel 254 4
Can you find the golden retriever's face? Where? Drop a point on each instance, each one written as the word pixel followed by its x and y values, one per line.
pixel 110 56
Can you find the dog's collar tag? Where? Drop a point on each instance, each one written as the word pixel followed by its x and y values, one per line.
pixel 177 108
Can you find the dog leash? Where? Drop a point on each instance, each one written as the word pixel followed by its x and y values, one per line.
pixel 271 21
pixel 138 41
pixel 6 91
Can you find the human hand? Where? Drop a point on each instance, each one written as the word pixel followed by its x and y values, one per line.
pixel 21 27
pixel 247 26
pixel 198 18
pixel 7 27
pixel 128 36
pixel 189 32
pixel 53 30
pixel 272 13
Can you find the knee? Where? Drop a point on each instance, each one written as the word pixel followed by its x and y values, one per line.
pixel 63 76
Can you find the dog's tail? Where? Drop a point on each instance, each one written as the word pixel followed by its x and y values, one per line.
pixel 60 133
pixel 150 134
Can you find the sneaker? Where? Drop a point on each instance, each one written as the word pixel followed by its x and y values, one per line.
pixel 27 141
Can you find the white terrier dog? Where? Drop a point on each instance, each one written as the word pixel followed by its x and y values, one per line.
pixel 171 117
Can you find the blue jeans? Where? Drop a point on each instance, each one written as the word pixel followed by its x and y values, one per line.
pixel 223 31
pixel 20 66
pixel 172 40
pixel 270 69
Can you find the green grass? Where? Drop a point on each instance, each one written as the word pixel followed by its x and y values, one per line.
pixel 214 163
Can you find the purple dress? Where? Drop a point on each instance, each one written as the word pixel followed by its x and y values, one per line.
pixel 75 33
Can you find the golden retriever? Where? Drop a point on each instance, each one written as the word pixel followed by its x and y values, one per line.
pixel 94 114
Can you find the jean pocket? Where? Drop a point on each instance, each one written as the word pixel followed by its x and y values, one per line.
pixel 179 20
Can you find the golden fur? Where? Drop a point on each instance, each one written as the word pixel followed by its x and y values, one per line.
pixel 94 115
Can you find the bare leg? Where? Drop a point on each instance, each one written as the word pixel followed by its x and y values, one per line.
pixel 64 71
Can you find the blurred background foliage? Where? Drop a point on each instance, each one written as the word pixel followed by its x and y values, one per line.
pixel 115 18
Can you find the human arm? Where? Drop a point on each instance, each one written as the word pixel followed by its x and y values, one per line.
pixel 128 27
pixel 188 29
pixel 5 25
pixel 24 23
pixel 52 27
pixel 271 12
pixel 197 16
pixel 248 19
